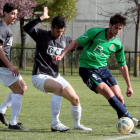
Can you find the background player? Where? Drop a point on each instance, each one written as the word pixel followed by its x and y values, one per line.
pixel 98 44
pixel 45 75
pixel 9 75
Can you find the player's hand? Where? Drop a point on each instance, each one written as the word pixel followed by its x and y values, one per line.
pixel 129 92
pixel 14 71
pixel 56 58
pixel 45 14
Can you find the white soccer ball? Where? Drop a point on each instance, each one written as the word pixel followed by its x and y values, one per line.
pixel 125 125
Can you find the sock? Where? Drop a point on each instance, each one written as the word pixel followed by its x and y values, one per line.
pixel 16 107
pixel 128 114
pixel 124 105
pixel 119 107
pixel 76 114
pixel 55 108
pixel 7 103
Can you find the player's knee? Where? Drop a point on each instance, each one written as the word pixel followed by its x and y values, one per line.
pixel 121 99
pixel 60 90
pixel 20 91
pixel 75 101
pixel 24 88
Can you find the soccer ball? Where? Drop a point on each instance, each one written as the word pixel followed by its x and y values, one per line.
pixel 125 125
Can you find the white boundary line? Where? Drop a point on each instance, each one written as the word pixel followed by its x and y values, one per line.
pixel 125 137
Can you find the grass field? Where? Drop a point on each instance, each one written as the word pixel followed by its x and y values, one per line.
pixel 96 113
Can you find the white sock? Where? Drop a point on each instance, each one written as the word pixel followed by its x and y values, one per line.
pixel 76 114
pixel 16 107
pixel 55 108
pixel 7 103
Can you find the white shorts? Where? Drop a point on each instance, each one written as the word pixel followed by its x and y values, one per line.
pixel 6 77
pixel 38 81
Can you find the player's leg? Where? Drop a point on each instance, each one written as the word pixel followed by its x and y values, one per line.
pixel 7 103
pixel 4 106
pixel 111 82
pixel 70 94
pixel 18 92
pixel 95 80
pixel 116 90
pixel 47 84
pixel 104 90
pixel 56 88
pixel 23 84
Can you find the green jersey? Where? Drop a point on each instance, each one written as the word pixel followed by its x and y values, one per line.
pixel 98 48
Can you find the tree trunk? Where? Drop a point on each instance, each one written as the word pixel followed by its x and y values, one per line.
pixel 136 64
pixel 22 32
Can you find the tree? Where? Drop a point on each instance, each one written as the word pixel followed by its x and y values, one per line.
pixel 25 9
pixel 134 12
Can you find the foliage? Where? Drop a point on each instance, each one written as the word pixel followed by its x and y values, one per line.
pixel 64 8
pixel 25 7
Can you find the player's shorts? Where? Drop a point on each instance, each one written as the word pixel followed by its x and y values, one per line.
pixel 93 77
pixel 38 81
pixel 7 78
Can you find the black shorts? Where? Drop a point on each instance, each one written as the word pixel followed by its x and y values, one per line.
pixel 93 77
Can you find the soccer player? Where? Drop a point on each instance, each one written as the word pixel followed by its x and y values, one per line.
pixel 98 44
pixel 9 75
pixel 45 75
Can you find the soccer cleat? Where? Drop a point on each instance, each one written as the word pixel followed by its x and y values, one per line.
pixel 3 119
pixel 136 123
pixel 59 127
pixel 134 132
pixel 81 127
pixel 18 126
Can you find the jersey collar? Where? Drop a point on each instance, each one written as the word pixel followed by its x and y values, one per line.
pixel 107 36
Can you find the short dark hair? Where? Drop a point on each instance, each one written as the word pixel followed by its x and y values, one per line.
pixel 9 6
pixel 59 22
pixel 118 19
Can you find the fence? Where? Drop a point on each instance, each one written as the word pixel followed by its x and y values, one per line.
pixel 71 60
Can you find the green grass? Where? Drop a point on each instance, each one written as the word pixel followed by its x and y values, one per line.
pixel 74 71
pixel 96 113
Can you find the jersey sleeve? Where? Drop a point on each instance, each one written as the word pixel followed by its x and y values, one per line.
pixel 85 38
pixel 1 41
pixel 120 56
pixel 68 40
pixel 29 29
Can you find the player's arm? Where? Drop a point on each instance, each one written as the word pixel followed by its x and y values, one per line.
pixel 124 71
pixel 69 47
pixel 29 27
pixel 82 40
pixel 120 56
pixel 45 14
pixel 7 62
